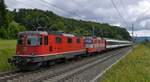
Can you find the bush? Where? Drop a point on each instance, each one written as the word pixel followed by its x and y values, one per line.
pixel 11 31
pixel 3 33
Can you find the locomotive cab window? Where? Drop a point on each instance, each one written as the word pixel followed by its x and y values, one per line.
pixel 39 40
pixel 34 40
pixel 20 41
pixel 69 40
pixel 31 40
pixel 58 40
pixel 78 40
pixel 88 41
pixel 45 40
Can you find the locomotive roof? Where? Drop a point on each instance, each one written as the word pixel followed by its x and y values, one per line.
pixel 68 35
pixel 44 32
pixel 34 32
pixel 62 34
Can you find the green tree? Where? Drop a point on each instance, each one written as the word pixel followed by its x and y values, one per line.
pixel 3 33
pixel 3 14
pixel 11 31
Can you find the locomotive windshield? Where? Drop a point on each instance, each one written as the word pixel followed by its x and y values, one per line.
pixel 34 40
pixel 21 40
pixel 88 40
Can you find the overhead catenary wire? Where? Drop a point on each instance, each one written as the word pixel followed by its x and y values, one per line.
pixel 67 12
pixel 81 6
pixel 124 7
pixel 53 5
pixel 117 10
pixel 71 13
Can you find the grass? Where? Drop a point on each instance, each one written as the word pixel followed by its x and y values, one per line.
pixel 135 67
pixel 7 50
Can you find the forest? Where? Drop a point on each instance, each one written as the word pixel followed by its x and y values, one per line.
pixel 12 22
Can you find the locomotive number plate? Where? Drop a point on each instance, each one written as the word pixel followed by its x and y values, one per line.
pixel 24 49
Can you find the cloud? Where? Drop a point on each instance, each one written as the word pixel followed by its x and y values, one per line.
pixel 133 11
pixel 141 33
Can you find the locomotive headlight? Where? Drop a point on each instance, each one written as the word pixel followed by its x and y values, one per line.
pixel 32 54
pixel 18 53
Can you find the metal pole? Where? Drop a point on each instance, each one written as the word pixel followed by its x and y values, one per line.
pixel 93 30
pixel 132 31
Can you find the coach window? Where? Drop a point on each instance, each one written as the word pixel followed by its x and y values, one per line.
pixel 111 43
pixel 45 40
pixel 78 40
pixel 69 40
pixel 58 40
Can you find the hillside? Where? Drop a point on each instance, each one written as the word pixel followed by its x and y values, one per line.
pixel 30 19
pixel 141 39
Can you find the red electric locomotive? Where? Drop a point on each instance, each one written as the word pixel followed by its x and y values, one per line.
pixel 95 44
pixel 37 47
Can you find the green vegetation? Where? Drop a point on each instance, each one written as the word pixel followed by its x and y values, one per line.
pixel 8 27
pixel 135 67
pixel 11 31
pixel 3 14
pixel 7 50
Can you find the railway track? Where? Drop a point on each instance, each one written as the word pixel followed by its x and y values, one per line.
pixel 69 76
pixel 96 69
pixel 61 72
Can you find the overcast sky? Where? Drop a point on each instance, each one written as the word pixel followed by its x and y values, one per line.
pixel 104 11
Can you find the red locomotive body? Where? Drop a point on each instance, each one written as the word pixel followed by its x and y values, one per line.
pixel 37 47
pixel 95 44
pixel 44 44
